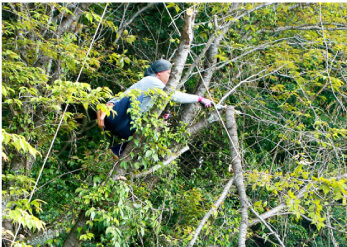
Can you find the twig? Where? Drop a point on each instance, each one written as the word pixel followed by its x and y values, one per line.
pixel 327 58
pixel 267 226
pixel 60 177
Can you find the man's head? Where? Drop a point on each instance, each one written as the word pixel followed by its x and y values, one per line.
pixel 164 75
pixel 160 68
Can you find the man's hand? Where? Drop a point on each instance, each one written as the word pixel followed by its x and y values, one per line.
pixel 166 115
pixel 205 102
pixel 101 116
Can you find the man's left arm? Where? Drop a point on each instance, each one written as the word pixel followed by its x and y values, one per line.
pixel 186 98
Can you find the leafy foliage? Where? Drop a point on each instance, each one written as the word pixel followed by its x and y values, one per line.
pixel 283 66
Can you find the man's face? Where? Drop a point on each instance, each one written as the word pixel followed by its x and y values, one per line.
pixel 164 75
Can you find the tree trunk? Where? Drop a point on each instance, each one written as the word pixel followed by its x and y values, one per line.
pixel 187 35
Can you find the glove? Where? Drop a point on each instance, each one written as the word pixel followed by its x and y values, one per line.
pixel 166 115
pixel 205 102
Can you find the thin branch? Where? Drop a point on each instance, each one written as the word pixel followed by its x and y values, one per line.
pixel 267 226
pixel 303 27
pixel 165 163
pixel 126 24
pixel 223 30
pixel 276 210
pixel 327 58
pixel 50 181
pixel 214 207
pixel 173 21
pixel 248 80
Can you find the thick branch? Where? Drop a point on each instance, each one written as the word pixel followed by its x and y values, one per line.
pixel 209 65
pixel 197 60
pixel 64 27
pixel 67 21
pixel 39 238
pixel 205 122
pixel 236 163
pixel 268 227
pixel 72 239
pixel 210 61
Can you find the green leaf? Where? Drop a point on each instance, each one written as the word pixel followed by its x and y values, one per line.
pixel 148 153
pixel 89 16
pixel 155 157
pixel 96 179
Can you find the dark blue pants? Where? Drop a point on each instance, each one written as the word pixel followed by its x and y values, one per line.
pixel 120 124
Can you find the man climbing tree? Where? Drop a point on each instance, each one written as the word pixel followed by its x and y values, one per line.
pixel 156 77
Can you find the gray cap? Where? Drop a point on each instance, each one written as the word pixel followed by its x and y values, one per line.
pixel 158 66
